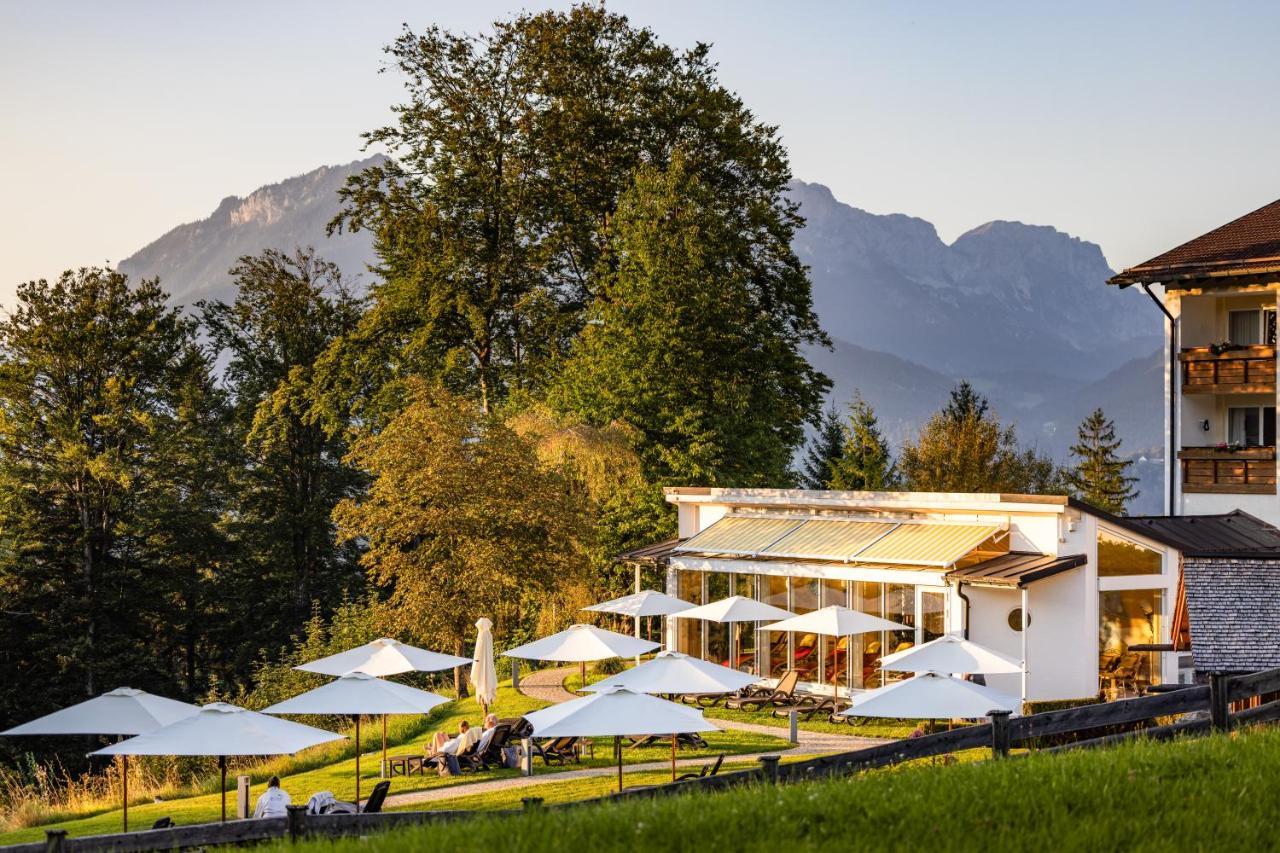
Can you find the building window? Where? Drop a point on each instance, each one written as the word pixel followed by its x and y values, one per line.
pixel 773 590
pixel 835 650
pixel 718 585
pixel 1252 426
pixel 868 597
pixel 745 632
pixel 1127 618
pixel 689 631
pixel 1252 327
pixel 805 594
pixel 1015 619
pixel 1120 557
pixel 900 607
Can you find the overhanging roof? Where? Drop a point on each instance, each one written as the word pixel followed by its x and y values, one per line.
pixel 1016 569
pixel 1231 534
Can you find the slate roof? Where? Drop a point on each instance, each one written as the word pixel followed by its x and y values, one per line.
pixel 1249 245
pixel 1233 606
pixel 1232 534
pixel 1016 569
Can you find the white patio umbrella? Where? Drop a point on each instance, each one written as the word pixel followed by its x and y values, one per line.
pixel 484 676
pixel 647 602
pixel 950 653
pixel 616 712
pixel 123 711
pixel 358 693
pixel 673 672
pixel 382 657
pixel 931 696
pixel 836 621
pixel 735 608
pixel 220 730
pixel 581 643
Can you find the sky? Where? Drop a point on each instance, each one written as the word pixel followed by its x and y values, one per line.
pixel 1134 125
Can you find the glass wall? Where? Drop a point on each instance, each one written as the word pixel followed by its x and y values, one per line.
pixel 1127 618
pixel 1118 556
pixel 718 584
pixel 868 597
pixel 689 631
pixel 773 590
pixel 900 607
pixel 835 651
pixel 745 640
pixel 933 614
pixel 806 655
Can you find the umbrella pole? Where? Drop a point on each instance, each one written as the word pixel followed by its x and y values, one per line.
pixel 124 788
pixel 222 768
pixel 383 772
pixel 617 747
pixel 673 758
pixel 357 764
pixel 582 672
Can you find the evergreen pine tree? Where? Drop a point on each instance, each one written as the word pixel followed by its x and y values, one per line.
pixel 1100 476
pixel 864 462
pixel 965 403
pixel 824 452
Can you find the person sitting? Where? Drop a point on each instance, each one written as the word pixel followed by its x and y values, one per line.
pixel 273 801
pixel 490 723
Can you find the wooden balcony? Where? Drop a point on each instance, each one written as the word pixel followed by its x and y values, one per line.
pixel 1248 471
pixel 1247 370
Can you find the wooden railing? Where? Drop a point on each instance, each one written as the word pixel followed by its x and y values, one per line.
pixel 1247 471
pixel 1246 370
pixel 1071 728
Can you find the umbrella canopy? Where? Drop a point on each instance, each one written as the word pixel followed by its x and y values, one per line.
pixel 484 677
pixel 123 711
pixel 835 621
pixel 647 603
pixel 931 696
pixel 735 608
pixel 360 693
pixel 617 711
pixel 950 653
pixel 383 657
pixel 582 643
pixel 221 729
pixel 673 672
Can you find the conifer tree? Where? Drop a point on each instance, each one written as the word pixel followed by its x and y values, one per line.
pixel 864 461
pixel 824 452
pixel 1100 476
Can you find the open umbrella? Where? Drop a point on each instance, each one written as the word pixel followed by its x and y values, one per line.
pixel 581 643
pixel 358 693
pixel 616 712
pixel 220 730
pixel 931 696
pixel 735 608
pixel 383 657
pixel 673 672
pixel 123 711
pixel 950 653
pixel 484 677
pixel 644 603
pixel 836 621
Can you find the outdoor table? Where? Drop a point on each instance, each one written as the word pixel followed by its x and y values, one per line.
pixel 405 764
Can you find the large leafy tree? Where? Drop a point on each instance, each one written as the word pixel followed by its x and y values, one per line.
pixel 289 474
pixel 461 519
pixel 494 222
pixel 110 489
pixel 1099 475
pixel 864 461
pixel 695 339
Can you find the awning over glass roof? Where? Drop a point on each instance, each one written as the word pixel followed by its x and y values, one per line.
pixel 861 541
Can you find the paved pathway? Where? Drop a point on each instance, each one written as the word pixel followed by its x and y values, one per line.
pixel 548 685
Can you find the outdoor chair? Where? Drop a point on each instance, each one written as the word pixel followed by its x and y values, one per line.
pixel 491 755
pixel 783 694
pixel 810 705
pixel 558 751
pixel 163 823
pixel 377 796
pixel 687 740
pixel 707 770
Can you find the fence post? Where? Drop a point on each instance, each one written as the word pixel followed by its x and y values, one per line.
pixel 793 718
pixel 55 840
pixel 999 733
pixel 296 821
pixel 515 674
pixel 769 764
pixel 531 803
pixel 243 809
pixel 1219 707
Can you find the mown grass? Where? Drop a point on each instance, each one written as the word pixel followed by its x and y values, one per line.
pixel 1214 793
pixel 332 768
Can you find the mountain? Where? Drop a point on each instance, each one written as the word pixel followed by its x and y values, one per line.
pixel 192 260
pixel 1022 311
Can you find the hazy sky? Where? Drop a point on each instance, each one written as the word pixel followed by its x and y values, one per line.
pixel 1134 125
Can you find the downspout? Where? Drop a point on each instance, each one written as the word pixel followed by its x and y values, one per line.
pixel 967 605
pixel 1173 398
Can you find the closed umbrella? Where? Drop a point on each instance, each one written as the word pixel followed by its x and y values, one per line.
pixel 836 621
pixel 647 602
pixel 950 653
pixel 673 672
pixel 931 696
pixel 123 711
pixel 358 693
pixel 735 608
pixel 616 712
pixel 484 677
pixel 220 730
pixel 382 657
pixel 581 643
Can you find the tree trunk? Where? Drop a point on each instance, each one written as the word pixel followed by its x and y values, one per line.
pixel 459 683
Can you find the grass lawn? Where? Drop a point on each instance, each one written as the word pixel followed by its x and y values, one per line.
pixel 332 768
pixel 1212 793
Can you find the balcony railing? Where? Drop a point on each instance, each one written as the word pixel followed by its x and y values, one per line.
pixel 1244 370
pixel 1247 471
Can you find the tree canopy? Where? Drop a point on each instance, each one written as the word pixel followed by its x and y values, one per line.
pixel 1099 476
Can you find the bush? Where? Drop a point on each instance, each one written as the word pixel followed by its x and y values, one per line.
pixel 609 666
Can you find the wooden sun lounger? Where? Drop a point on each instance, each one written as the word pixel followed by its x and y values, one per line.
pixel 783 694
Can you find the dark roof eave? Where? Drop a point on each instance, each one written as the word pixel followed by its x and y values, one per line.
pixel 1208 275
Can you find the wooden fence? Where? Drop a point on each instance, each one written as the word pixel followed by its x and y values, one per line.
pixel 1072 728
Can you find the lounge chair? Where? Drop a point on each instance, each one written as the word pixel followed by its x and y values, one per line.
pixel 707 770
pixel 163 823
pixel 809 705
pixel 491 754
pixel 783 694
pixel 688 740
pixel 377 796
pixel 558 751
